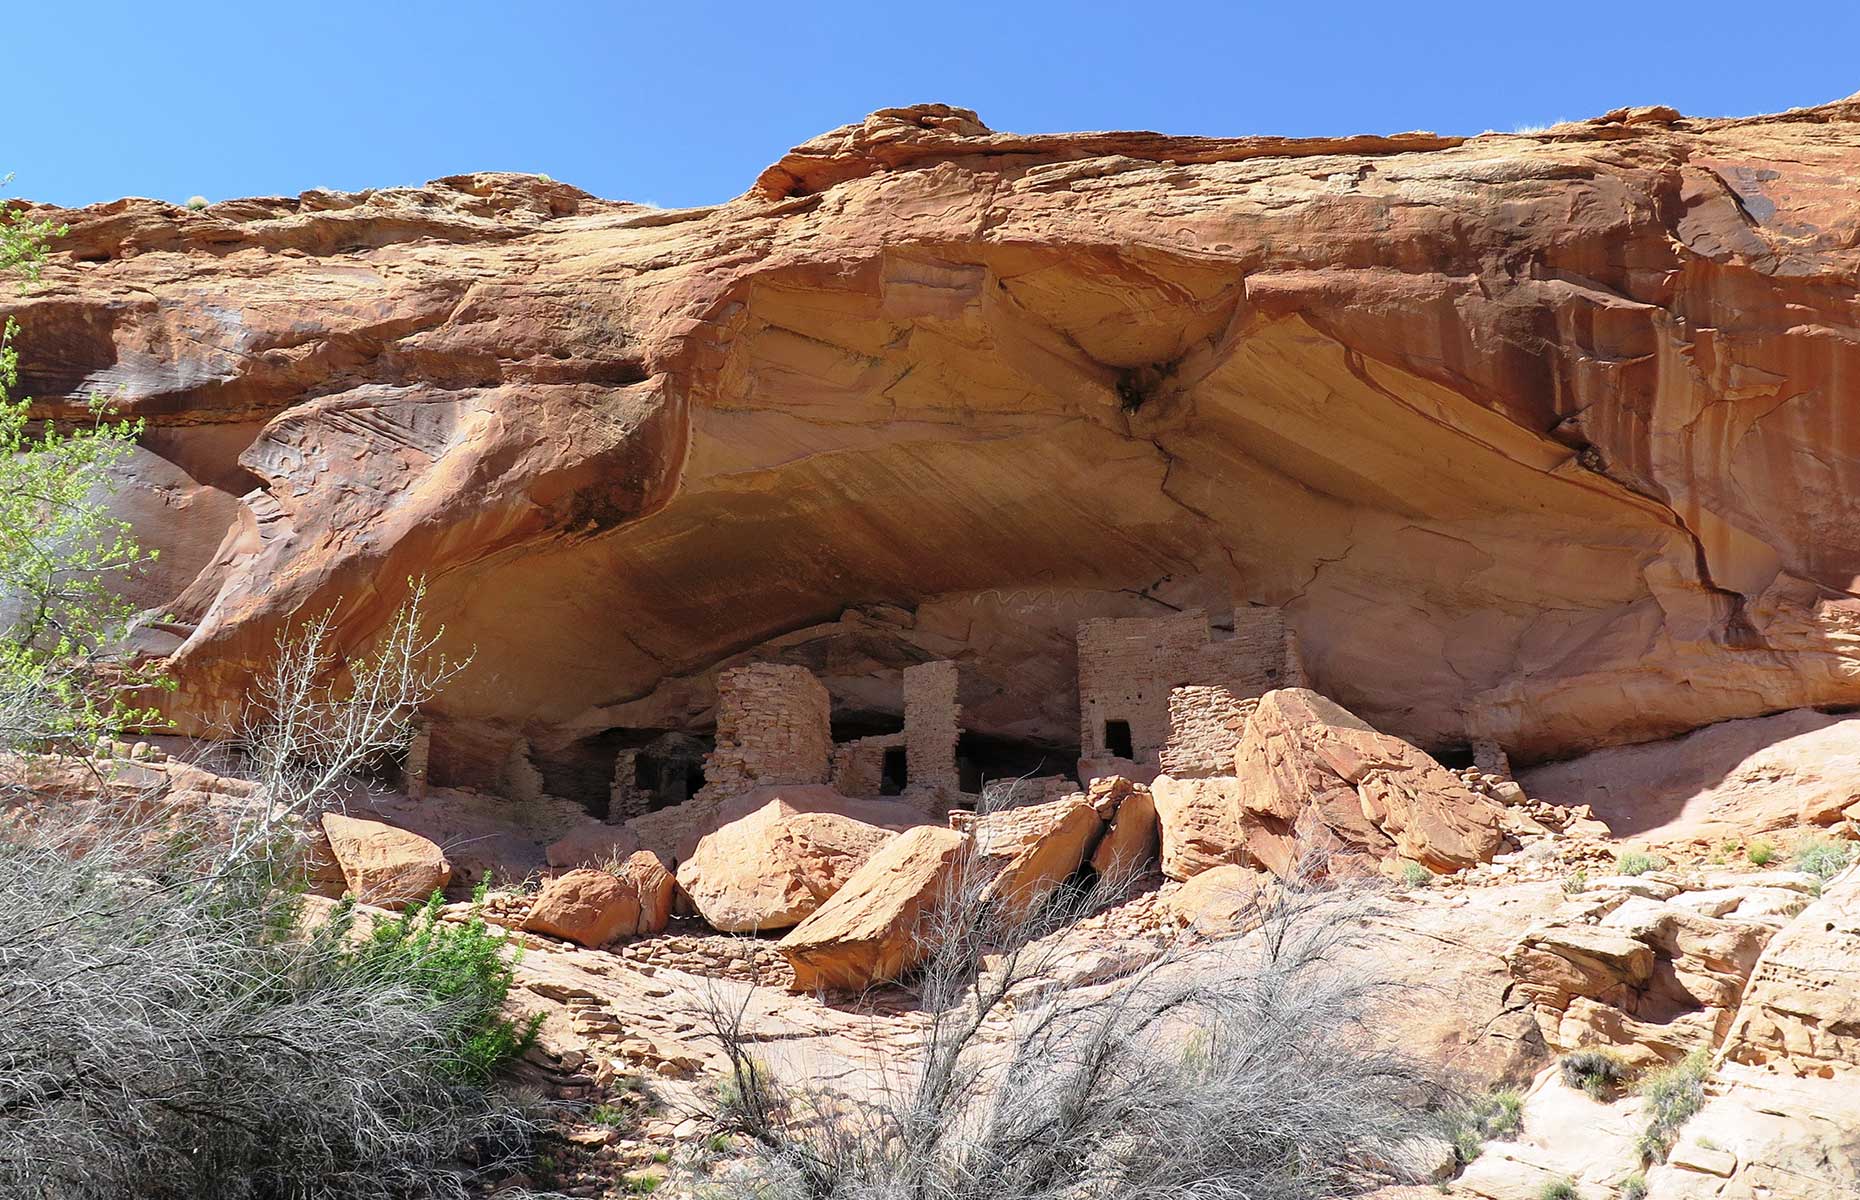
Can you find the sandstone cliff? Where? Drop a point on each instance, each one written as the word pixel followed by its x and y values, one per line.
pixel 1544 438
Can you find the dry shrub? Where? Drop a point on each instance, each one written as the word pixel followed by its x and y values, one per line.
pixel 1238 1068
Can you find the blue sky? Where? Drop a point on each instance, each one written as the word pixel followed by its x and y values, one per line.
pixel 681 102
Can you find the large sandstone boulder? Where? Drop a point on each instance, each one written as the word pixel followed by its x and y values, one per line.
pixel 655 887
pixel 1306 764
pixel 771 866
pixel 385 866
pixel 1029 852
pixel 1132 841
pixel 1221 900
pixel 592 844
pixel 587 906
pixel 874 928
pixel 1203 825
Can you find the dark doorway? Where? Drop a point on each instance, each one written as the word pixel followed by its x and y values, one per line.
pixel 1117 740
pixel 1454 757
pixel 982 759
pixel 896 772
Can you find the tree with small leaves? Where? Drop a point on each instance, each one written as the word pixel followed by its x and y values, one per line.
pixel 63 553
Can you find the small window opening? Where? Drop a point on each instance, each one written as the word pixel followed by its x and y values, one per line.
pixel 1117 739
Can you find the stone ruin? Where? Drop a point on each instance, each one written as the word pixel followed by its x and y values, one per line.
pixel 665 771
pixel 1165 694
pixel 917 762
pixel 774 726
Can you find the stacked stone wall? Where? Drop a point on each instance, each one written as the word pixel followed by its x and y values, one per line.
pixel 774 725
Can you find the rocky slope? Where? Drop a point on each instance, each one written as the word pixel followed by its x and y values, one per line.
pixel 1538 437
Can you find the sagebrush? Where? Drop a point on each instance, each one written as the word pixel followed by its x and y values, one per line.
pixel 1236 1068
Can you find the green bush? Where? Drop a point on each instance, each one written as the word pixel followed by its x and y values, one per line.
pixel 1634 1187
pixel 1822 857
pixel 196 203
pixel 1575 882
pixel 1597 1072
pixel 1470 1126
pixel 460 966
pixel 1673 1094
pixel 1414 875
pixel 1559 1189
pixel 1633 862
pixel 1761 852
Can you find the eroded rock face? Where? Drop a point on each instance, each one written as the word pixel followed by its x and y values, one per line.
pixel 1729 780
pixel 1321 780
pixel 1801 1012
pixel 1150 361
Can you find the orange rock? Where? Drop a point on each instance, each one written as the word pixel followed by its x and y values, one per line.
pixel 1306 760
pixel 1220 900
pixel 586 906
pixel 874 928
pixel 592 844
pixel 655 887
pixel 1002 383
pixel 1202 823
pixel 770 868
pixel 1132 841
pixel 385 866
pixel 1031 851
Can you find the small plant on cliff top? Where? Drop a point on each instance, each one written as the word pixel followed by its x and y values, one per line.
pixel 1822 857
pixel 1633 862
pixel 1673 1094
pixel 1597 1072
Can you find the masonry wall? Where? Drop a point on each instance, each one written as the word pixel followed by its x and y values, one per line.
pixel 773 726
pixel 932 725
pixel 1128 667
pixel 1205 724
pixel 859 766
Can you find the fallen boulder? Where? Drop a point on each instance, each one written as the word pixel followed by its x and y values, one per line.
pixel 1311 771
pixel 382 865
pixel 654 886
pixel 1203 825
pixel 591 845
pixel 874 927
pixel 771 866
pixel 1030 851
pixel 1133 840
pixel 586 906
pixel 1222 900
